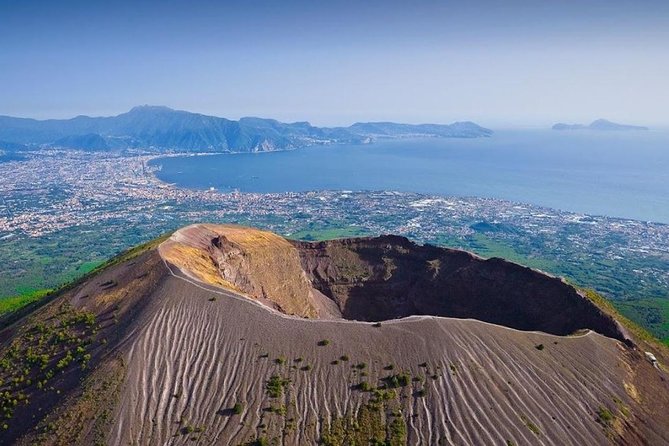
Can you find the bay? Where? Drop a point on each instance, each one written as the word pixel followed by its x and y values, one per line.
pixel 617 174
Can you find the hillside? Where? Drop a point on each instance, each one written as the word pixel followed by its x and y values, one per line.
pixel 164 129
pixel 230 335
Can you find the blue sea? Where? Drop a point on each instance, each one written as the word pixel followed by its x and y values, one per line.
pixel 617 174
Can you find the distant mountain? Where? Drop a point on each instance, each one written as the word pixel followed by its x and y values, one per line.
pixel 391 129
pixel 599 124
pixel 164 129
pixel 562 126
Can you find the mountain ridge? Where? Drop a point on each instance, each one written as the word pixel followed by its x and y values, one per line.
pixel 164 129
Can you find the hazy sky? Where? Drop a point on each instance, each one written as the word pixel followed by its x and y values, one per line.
pixel 507 62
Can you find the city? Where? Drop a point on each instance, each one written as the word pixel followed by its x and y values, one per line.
pixel 94 205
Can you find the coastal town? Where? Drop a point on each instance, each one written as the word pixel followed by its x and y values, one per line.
pixel 54 193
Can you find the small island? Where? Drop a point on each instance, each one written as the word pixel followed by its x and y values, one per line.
pixel 599 124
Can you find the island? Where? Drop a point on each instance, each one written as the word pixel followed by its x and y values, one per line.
pixel 599 124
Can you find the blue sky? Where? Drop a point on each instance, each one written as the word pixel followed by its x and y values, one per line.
pixel 514 62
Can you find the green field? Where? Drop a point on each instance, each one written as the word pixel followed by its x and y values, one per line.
pixel 13 303
pixel 650 313
pixel 318 234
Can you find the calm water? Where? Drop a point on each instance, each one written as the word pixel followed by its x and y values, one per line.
pixel 614 174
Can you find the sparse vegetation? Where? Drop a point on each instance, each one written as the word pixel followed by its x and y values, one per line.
pixel 364 386
pixel 275 386
pixel 189 429
pixel 323 342
pixel 380 395
pixel 343 358
pixel 399 380
pixel 279 409
pixel 374 424
pixel 605 416
pixel 238 408
pixel 398 432
pixel 539 347
pixel 624 410
pixel 530 425
pixel 44 348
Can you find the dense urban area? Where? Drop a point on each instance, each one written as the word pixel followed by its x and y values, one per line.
pixel 63 213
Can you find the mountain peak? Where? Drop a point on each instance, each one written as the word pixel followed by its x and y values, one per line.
pixel 150 108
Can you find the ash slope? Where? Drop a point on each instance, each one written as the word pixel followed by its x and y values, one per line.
pixel 184 340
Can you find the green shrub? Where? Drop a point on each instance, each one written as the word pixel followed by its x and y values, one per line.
pixel 604 415
pixel 279 410
pixel 260 441
pixel 323 342
pixel 364 386
pixel 399 380
pixel 238 408
pixel 384 395
pixel 275 385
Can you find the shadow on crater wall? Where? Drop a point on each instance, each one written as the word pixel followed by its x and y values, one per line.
pixel 390 277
